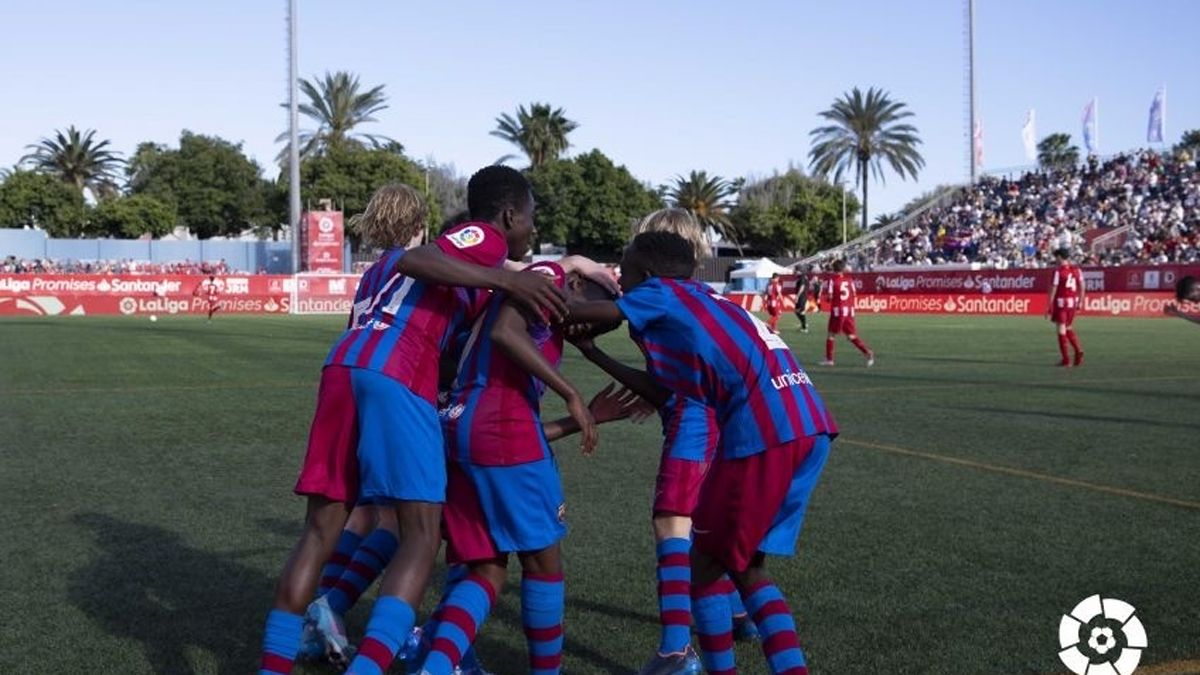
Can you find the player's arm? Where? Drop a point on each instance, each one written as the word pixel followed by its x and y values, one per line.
pixel 1053 293
pixel 596 312
pixel 1173 310
pixel 511 333
pixel 1082 288
pixel 429 263
pixel 609 405
pixel 639 382
pixel 583 265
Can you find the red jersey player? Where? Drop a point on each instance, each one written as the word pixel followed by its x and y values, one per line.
pixel 210 290
pixel 1066 296
pixel 839 292
pixel 774 302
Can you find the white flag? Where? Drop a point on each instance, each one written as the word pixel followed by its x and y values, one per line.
pixel 1029 136
pixel 977 144
pixel 1090 140
pixel 1158 117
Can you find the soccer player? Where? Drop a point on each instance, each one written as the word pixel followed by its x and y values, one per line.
pixel 689 442
pixel 774 438
pixel 774 302
pixel 1066 296
pixel 1187 290
pixel 839 292
pixel 504 495
pixel 375 432
pixel 804 302
pixel 210 290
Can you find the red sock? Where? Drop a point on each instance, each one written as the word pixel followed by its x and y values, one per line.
pixel 1062 347
pixel 861 347
pixel 829 342
pixel 1074 340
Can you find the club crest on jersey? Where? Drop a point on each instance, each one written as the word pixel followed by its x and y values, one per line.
pixel 467 237
pixel 453 412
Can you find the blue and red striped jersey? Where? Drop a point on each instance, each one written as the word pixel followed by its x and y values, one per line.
pixel 704 347
pixel 493 417
pixel 400 326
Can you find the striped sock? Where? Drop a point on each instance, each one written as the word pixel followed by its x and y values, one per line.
pixel 369 560
pixel 459 620
pixel 736 608
pixel 779 642
pixel 336 565
pixel 281 642
pixel 391 621
pixel 674 605
pixel 542 600
pixel 714 627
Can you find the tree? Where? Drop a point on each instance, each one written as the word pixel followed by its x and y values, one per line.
pixel 447 189
pixel 1190 142
pixel 865 131
pixel 540 132
pixel 349 176
pixel 214 188
pixel 789 214
pixel 338 105
pixel 134 216
pixel 589 204
pixel 29 199
pixel 78 159
pixel 707 198
pixel 1055 153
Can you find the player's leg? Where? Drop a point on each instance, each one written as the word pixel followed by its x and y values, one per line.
pixel 672 544
pixel 325 633
pixel 368 561
pixel 329 478
pixel 773 321
pixel 852 335
pixel 285 622
pixel 542 606
pixel 802 315
pixel 831 333
pixel 1073 338
pixel 466 607
pixel 1060 328
pixel 361 523
pixel 402 461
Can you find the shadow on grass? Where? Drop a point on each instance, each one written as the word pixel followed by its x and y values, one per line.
pixel 1078 417
pixel 146 584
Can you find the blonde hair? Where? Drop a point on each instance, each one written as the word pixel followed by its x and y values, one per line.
pixel 676 221
pixel 395 216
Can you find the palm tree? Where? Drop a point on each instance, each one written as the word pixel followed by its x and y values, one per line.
pixel 1055 153
pixel 540 132
pixel 886 219
pixel 865 131
pixel 337 105
pixel 1190 141
pixel 78 159
pixel 708 199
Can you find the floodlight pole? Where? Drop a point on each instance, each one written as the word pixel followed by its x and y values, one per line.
pixel 842 185
pixel 971 74
pixel 293 139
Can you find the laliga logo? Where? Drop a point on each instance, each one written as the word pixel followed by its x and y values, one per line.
pixel 325 225
pixel 1101 636
pixel 127 305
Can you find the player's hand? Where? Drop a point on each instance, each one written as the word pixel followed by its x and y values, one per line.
pixel 611 404
pixel 580 335
pixel 593 270
pixel 538 293
pixel 587 425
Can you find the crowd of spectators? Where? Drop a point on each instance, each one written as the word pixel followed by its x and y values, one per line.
pixel 1005 223
pixel 14 265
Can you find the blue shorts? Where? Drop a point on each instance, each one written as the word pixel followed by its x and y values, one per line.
pixel 785 529
pixel 494 510
pixel 400 451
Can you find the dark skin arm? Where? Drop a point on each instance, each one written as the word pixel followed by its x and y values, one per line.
pixel 638 381
pixel 430 264
pixel 609 405
pixel 511 334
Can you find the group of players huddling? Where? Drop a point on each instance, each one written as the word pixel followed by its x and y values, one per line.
pixel 428 427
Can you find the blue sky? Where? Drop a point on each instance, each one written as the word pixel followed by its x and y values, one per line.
pixel 662 87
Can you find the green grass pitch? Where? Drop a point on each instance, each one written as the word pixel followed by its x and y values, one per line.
pixel 975 495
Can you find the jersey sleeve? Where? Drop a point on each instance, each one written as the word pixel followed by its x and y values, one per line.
pixel 643 304
pixel 474 243
pixel 1054 281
